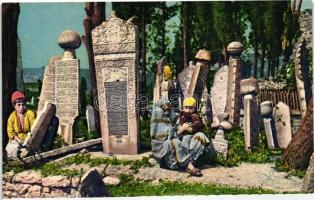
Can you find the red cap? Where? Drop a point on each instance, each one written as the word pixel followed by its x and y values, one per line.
pixel 17 95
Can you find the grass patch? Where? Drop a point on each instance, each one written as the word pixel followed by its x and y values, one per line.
pixel 177 188
pixel 280 167
pixel 56 168
pixel 238 154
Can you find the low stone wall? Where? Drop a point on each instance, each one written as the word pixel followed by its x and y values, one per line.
pixel 29 184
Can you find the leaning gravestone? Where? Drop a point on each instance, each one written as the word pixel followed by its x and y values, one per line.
pixel 90 117
pixel 92 185
pixel 185 78
pixel 39 128
pixel 281 113
pixel 67 84
pixel 115 45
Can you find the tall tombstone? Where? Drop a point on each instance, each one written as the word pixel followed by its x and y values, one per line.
pixel 115 44
pixel 234 77
pixel 249 89
pixel 219 92
pixel 302 79
pixel 67 80
pixel 48 87
pixel 269 124
pixel 281 113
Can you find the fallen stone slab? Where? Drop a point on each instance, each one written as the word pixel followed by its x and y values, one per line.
pixel 60 151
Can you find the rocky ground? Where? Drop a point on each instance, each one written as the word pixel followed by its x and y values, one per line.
pixel 245 175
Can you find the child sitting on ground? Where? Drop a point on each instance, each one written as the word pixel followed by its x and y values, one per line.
pixel 190 115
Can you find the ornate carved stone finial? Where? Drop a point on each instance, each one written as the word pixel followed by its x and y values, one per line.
pixel 248 86
pixel 203 55
pixel 69 40
pixel 235 49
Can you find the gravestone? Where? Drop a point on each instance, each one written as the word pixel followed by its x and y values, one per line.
pixel 199 76
pixel 269 124
pixel 67 81
pixel 90 117
pixel 92 185
pixel 185 78
pixel 219 92
pixel 234 77
pixel 220 144
pixel 39 128
pixel 158 79
pixel 115 45
pixel 281 113
pixel 47 93
pixel 249 88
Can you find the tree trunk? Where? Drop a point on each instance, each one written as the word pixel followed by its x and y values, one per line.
pixel 163 36
pixel 255 61
pixel 95 15
pixel 185 33
pixel 297 154
pixel 262 61
pixel 10 14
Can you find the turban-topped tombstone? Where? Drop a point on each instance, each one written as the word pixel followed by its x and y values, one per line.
pixel 234 77
pixel 67 79
pixel 115 46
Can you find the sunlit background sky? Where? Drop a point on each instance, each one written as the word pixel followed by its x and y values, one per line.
pixel 41 23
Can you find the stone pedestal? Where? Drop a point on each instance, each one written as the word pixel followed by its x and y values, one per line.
pixel 115 45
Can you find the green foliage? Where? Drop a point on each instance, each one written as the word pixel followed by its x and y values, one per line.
pixel 145 140
pixel 58 142
pixel 80 131
pixel 281 167
pixel 53 169
pixel 125 178
pixel 15 167
pixel 178 188
pixel 287 74
pixel 238 154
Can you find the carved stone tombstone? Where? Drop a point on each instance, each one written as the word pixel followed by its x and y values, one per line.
pixel 90 117
pixel 49 85
pixel 67 80
pixel 249 88
pixel 234 97
pixel 281 114
pixel 158 79
pixel 269 124
pixel 185 78
pixel 199 76
pixel 219 92
pixel 115 45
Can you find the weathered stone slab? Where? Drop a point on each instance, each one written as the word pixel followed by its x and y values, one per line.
pixel 270 133
pixel 93 186
pixel 281 114
pixel 117 83
pixel 251 130
pixel 185 78
pixel 55 181
pixel 308 184
pixel 39 128
pixel 90 116
pixel 219 91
